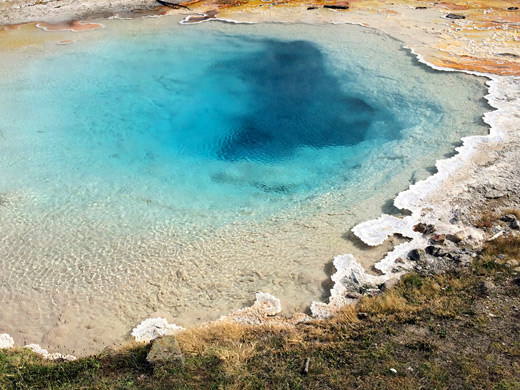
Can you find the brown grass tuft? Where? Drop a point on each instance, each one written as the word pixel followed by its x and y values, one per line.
pixel 198 340
pixel 389 303
pixel 486 220
pixel 509 246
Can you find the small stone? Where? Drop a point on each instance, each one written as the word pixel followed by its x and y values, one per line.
pixel 342 5
pixel 165 349
pixel 515 225
pixel 434 251
pixel 455 16
pixel 419 228
pixel 462 259
pixel 354 295
pixel 399 260
pixel 438 238
pixel 456 238
pixel 372 292
pixel 508 218
pixel 487 287
pixel 424 228
pixel 415 254
pixel 517 269
pixel 501 256
pixel 393 371
pixel 512 263
pixel 430 229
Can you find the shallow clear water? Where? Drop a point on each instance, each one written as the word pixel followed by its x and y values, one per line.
pixel 179 169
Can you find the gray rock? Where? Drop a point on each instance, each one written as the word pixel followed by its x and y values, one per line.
pixel 494 191
pixel 455 16
pixel 456 238
pixel 455 216
pixel 463 259
pixel 415 254
pixel 372 292
pixel 165 349
pixel 390 283
pixel 487 287
pixel 508 218
pixel 434 251
pixel 515 225
pixel 424 228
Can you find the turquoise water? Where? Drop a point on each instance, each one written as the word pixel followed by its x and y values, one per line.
pixel 194 121
pixel 150 167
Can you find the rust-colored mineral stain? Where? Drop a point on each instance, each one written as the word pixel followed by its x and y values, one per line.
pixel 75 26
pixel 212 14
pixel 466 63
pixel 452 6
pixel 11 27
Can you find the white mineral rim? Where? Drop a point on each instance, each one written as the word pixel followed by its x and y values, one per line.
pixel 6 341
pixel 152 328
pixel 49 356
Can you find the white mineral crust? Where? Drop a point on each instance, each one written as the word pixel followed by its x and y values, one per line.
pixel 6 341
pixel 49 356
pixel 152 328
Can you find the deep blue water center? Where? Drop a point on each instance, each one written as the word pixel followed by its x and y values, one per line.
pixel 299 103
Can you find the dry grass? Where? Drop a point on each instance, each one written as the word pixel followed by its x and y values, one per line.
pixel 508 246
pixel 199 340
pixel 389 303
pixel 486 220
pixel 347 315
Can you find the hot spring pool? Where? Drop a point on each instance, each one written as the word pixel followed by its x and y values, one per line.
pixel 152 168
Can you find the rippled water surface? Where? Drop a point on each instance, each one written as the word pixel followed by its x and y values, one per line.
pixel 151 168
